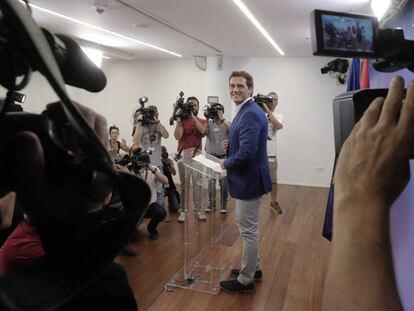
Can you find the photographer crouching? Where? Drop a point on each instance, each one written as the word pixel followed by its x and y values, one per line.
pixel 148 133
pixel 217 131
pixel 189 131
pixel 140 164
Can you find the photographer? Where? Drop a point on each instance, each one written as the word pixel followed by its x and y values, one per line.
pixel 217 131
pixel 170 189
pixel 147 134
pixel 114 145
pixel 189 132
pixel 275 123
pixel 140 164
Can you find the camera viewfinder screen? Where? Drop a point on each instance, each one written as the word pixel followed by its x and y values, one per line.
pixel 349 34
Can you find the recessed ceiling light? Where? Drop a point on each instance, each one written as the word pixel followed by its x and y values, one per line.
pixel 102 29
pixel 256 23
pixel 380 7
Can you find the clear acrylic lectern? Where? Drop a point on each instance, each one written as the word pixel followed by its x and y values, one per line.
pixel 203 240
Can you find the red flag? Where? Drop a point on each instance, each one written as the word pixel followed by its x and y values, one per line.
pixel 365 74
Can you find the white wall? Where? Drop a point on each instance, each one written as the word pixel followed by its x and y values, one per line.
pixel 305 100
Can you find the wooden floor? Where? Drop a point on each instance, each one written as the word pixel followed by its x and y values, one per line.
pixel 294 260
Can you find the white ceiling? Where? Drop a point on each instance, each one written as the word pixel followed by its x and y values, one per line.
pixel 217 23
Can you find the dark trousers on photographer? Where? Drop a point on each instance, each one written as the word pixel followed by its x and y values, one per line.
pixel 156 213
pixel 173 199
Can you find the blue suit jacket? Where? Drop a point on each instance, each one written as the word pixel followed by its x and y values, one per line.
pixel 247 165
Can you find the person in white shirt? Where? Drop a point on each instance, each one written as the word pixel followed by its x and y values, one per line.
pixel 275 123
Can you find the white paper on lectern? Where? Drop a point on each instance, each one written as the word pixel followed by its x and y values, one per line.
pixel 215 166
pixel 402 242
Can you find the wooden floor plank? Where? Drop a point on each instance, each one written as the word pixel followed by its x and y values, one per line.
pixel 294 258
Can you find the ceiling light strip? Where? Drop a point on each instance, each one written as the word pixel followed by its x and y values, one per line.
pixel 256 23
pixel 166 24
pixel 103 30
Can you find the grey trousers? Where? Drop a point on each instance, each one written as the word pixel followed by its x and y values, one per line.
pixel 247 217
pixel 196 187
pixel 224 190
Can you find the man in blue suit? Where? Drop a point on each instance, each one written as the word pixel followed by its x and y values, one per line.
pixel 248 177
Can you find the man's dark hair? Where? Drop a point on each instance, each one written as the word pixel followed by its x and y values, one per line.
pixel 113 127
pixel 193 98
pixel 244 74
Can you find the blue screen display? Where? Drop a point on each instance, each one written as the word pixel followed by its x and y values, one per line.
pixel 347 34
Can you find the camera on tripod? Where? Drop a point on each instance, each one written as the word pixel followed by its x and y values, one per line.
pixel 147 113
pixel 186 109
pixel 262 100
pixel 211 110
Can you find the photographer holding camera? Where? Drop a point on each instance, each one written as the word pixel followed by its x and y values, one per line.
pixel 139 162
pixel 275 121
pixel 217 131
pixel 148 134
pixel 189 131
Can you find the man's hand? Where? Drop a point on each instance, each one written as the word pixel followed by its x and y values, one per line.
pixel 123 141
pixel 220 115
pixel 373 164
pixel 225 145
pixel 266 107
pixel 222 164
pixel 47 203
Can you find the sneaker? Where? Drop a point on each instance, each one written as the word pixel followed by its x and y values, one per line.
pixel 209 209
pixel 223 210
pixel 274 206
pixel 181 218
pixel 153 236
pixel 234 286
pixel 201 215
pixel 128 251
pixel 257 275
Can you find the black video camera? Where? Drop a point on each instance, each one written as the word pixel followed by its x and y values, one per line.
pixel 25 48
pixel 186 109
pixel 211 110
pixel 138 159
pixel 147 113
pixel 353 35
pixel 164 153
pixel 337 65
pixel 262 100
pixel 337 69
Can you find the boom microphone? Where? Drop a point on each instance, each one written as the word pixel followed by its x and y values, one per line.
pixel 76 67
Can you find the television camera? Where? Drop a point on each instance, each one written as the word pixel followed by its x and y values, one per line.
pixel 262 100
pixel 24 48
pixel 354 35
pixel 211 110
pixel 337 69
pixel 147 113
pixel 185 107
pixel 137 159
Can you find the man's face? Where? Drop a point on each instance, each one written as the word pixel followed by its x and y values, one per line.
pixel 238 89
pixel 274 103
pixel 195 106
pixel 114 134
